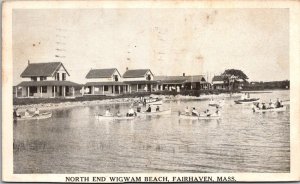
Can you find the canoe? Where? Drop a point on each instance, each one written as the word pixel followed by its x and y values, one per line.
pixel 45 115
pixel 201 117
pixel 164 112
pixel 100 117
pixel 247 101
pixel 280 109
pixel 157 102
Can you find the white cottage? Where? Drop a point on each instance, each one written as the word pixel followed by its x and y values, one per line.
pixel 46 80
pixel 140 80
pixel 104 82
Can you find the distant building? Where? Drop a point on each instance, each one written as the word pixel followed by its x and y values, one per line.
pixel 140 80
pixel 192 82
pixel 220 82
pixel 104 82
pixel 46 80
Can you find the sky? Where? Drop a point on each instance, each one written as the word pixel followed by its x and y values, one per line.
pixel 168 41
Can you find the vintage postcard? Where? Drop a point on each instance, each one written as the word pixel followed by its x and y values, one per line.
pixel 150 91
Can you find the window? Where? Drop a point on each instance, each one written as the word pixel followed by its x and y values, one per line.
pixel 116 78
pixel 44 89
pixel 43 78
pixel 105 88
pixel 148 77
pixel 139 86
pixel 57 76
pixel 63 76
pixel 34 78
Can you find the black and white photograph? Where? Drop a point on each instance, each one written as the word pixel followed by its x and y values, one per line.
pixel 130 89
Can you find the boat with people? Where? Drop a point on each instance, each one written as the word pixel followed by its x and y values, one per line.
pixel 103 117
pixel 214 103
pixel 201 117
pixel 278 109
pixel 245 99
pixel 40 116
pixel 155 113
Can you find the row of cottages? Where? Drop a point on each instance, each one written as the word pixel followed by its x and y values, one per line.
pixel 45 80
pixel 111 82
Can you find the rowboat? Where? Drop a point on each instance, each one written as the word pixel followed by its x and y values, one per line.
pixel 247 101
pixel 156 102
pixel 216 104
pixel 164 112
pixel 201 117
pixel 101 117
pixel 45 115
pixel 279 109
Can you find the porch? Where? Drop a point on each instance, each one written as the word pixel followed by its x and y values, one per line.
pixel 45 89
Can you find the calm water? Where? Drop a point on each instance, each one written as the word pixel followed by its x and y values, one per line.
pixel 73 141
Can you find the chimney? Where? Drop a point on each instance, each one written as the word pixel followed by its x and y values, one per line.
pixel 183 74
pixel 126 68
pixel 28 61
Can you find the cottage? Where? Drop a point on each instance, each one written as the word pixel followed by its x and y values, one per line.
pixel 140 80
pixel 220 82
pixel 104 82
pixel 46 80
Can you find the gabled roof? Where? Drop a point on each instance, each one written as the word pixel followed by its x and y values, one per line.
pixel 219 78
pixel 42 69
pixel 196 78
pixel 101 73
pixel 136 73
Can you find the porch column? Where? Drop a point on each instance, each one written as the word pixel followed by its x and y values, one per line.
pixel 151 87
pixel 103 89
pixel 27 91
pixel 137 87
pixel 64 91
pixel 73 91
pixel 129 88
pixel 54 91
pixel 82 90
pixel 41 92
pixel 16 88
pixel 119 90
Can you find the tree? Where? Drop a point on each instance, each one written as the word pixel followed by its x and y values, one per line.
pixel 237 73
pixel 234 83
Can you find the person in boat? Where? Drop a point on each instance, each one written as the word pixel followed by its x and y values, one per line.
pixel 16 114
pixel 207 113
pixel 149 109
pixel 131 112
pixel 27 113
pixel 108 113
pixel 36 112
pixel 187 110
pixel 138 109
pixel 278 103
pixel 194 112
pixel 263 106
pixel 118 113
pixel 145 102
pixel 157 109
